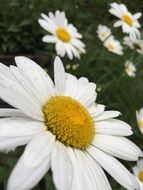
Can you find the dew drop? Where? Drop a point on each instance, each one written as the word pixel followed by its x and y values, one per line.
pixel 13 87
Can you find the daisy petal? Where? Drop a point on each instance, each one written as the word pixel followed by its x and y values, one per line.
pixel 71 85
pixel 75 51
pixel 5 112
pixel 136 170
pixel 113 127
pixel 107 115
pixel 140 164
pixel 60 49
pixel 118 23
pixel 49 20
pixel 78 181
pixel 28 106
pixel 114 168
pixel 96 109
pixel 92 172
pixel 137 15
pixel 12 92
pixel 26 178
pixel 60 19
pixel 20 127
pixel 119 147
pixel 78 43
pixel 69 51
pixel 86 93
pixel 49 39
pixel 9 143
pixel 50 27
pixel 62 173
pixel 37 79
pixel 33 156
pixel 59 75
pixel 4 70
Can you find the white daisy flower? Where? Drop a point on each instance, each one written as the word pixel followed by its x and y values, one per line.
pixel 113 46
pixel 103 32
pixel 130 69
pixel 139 116
pixel 64 130
pixel 138 172
pixel 134 43
pixel 128 21
pixel 64 35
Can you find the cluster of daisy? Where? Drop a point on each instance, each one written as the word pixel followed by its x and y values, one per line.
pixel 109 41
pixel 60 122
pixel 68 40
pixel 134 43
pixel 130 26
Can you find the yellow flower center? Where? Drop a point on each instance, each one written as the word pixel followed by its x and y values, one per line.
pixel 110 46
pixel 128 20
pixel 69 121
pixel 103 35
pixel 140 122
pixel 63 34
pixel 140 176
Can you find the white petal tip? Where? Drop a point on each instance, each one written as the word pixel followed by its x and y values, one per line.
pixel 57 58
pixel 141 154
pixel 58 62
pixel 42 14
pixel 18 58
pixel 130 133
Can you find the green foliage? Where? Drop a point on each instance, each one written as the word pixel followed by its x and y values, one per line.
pixel 20 33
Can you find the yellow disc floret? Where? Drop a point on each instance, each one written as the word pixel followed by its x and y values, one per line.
pixel 69 121
pixel 128 20
pixel 140 123
pixel 63 34
pixel 110 47
pixel 140 176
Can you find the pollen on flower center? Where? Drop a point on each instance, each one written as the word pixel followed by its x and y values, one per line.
pixel 63 34
pixel 69 121
pixel 102 35
pixel 140 176
pixel 110 46
pixel 140 122
pixel 128 20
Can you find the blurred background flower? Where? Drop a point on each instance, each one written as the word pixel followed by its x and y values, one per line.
pixel 21 34
pixel 103 32
pixel 138 172
pixel 128 21
pixel 64 35
pixel 139 115
pixel 130 69
pixel 113 45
